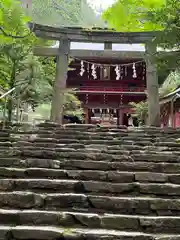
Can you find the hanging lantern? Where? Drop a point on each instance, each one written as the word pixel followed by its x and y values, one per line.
pixel 92 110
pixel 104 98
pixel 82 70
pixel 143 70
pixel 134 70
pixel 118 72
pixel 100 110
pixel 93 67
pixel 108 110
pixel 87 98
pixel 121 100
pixel 125 71
pixel 88 70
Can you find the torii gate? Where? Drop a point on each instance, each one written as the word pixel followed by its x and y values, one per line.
pixel 108 37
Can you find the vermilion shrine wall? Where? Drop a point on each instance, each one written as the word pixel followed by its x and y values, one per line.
pixel 105 97
pixel 75 80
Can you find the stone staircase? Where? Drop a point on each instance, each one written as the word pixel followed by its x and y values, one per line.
pixel 83 182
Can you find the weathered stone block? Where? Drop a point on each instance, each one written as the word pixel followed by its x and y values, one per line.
pixel 116 176
pixel 78 164
pixel 120 223
pixel 174 178
pixel 45 173
pixel 165 204
pixel 160 189
pixel 45 185
pixel 122 205
pixel 33 232
pixel 93 175
pixel 20 200
pixel 69 200
pixel 159 225
pixel 101 187
pixel 151 177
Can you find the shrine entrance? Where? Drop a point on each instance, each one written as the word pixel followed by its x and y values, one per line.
pixel 71 34
pixel 111 117
pixel 106 117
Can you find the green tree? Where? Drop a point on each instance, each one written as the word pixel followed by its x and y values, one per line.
pixel 64 13
pixel 141 110
pixel 145 15
pixel 136 15
pixel 13 22
pixel 31 76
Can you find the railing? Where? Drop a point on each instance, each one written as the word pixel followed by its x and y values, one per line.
pixel 4 96
pixel 112 89
pixel 108 85
pixel 7 93
pixel 84 80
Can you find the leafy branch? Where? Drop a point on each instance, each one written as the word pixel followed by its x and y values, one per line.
pixel 13 36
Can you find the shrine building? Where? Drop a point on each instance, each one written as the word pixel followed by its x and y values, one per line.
pixel 107 85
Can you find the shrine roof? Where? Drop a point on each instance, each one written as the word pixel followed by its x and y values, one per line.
pixel 171 96
pixel 173 93
pixel 79 34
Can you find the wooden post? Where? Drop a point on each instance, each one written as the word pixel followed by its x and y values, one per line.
pixel 86 115
pixel 60 82
pixel 107 46
pixel 120 116
pixel 172 112
pixel 152 86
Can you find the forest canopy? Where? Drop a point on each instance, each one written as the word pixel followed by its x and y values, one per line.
pixel 145 15
pixel 64 13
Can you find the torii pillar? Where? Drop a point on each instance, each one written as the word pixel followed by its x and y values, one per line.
pixel 60 81
pixel 152 85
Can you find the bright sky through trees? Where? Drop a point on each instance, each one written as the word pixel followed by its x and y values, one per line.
pixel 101 3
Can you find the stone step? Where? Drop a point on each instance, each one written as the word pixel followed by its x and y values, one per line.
pixel 93 175
pixel 4 138
pixel 6 144
pixel 91 187
pixel 107 128
pixel 145 224
pixel 90 203
pixel 106 141
pixel 124 148
pixel 79 151
pixel 95 135
pixel 102 136
pixel 65 153
pixel 76 127
pixel 119 166
pixel 57 233
pixel 4 133
pixel 90 154
pixel 102 132
pixel 136 166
